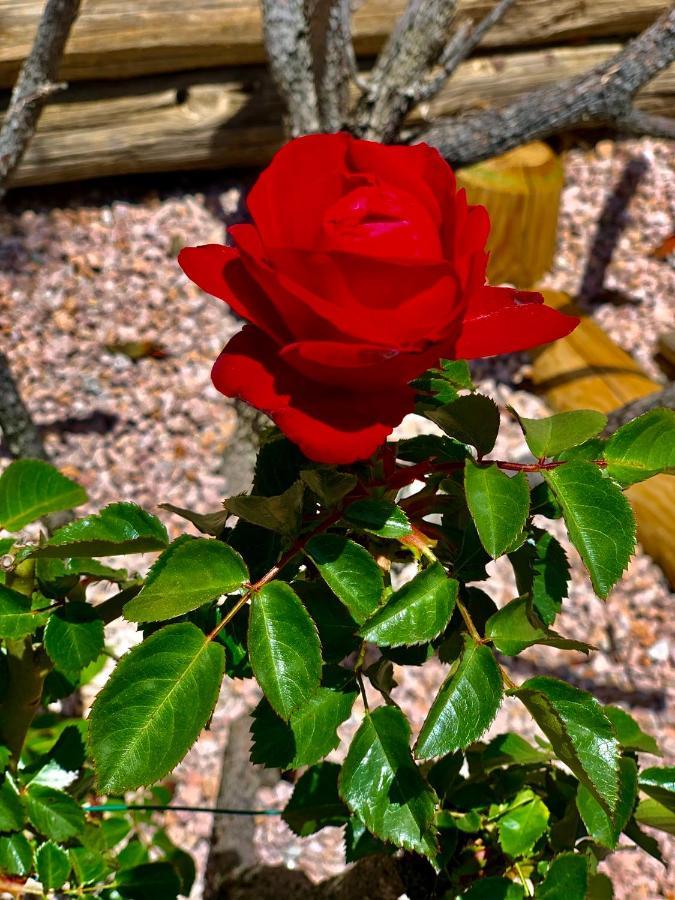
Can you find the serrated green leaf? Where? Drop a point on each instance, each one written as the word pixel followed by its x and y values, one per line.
pixel 329 485
pixel 465 705
pixel 315 802
pixel 600 887
pixel 12 807
pixel 89 867
pixel 282 513
pixel 359 842
pixel 57 577
pixel 208 523
pixel 153 706
pixel 550 436
pixel 472 420
pixel 511 631
pixel 659 783
pixel 16 854
pixel 283 647
pixel 337 629
pixel 53 866
pixel 629 733
pixel 522 825
pixel 643 840
pixel 417 612
pixel 17 617
pixel 119 528
pixel 581 734
pixel 151 881
pixel 656 815
pixel 603 829
pixel 273 741
pixel 31 489
pixel 191 572
pixel 349 571
pixel 498 504
pixel 53 813
pixel 423 447
pixel 599 521
pixel 73 636
pixel 378 517
pixel 589 451
pixel 542 572
pixel 642 448
pixel 494 888
pixel 543 502
pixel 381 784
pixel 566 879
pixel 511 749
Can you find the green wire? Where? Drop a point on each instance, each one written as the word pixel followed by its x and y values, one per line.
pixel 124 807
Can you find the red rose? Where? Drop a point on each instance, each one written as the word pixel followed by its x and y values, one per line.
pixel 363 266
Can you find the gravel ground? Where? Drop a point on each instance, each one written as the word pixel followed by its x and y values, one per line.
pixel 86 268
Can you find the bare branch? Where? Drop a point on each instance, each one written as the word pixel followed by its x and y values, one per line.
pixel 639 122
pixel 334 60
pixel 19 432
pixel 461 44
pixel 413 48
pixel 35 83
pixel 664 398
pixel 287 41
pixel 603 96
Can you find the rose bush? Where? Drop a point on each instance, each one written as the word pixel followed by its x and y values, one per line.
pixel 362 267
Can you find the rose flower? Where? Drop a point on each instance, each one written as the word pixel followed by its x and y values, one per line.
pixel 363 266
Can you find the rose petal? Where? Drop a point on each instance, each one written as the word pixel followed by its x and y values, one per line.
pixel 330 426
pixel 504 320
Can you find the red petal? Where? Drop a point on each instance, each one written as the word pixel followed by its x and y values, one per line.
pixel 329 425
pixel 219 271
pixel 504 320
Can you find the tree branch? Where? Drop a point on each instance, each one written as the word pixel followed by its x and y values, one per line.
pixel 413 48
pixel 334 62
pixel 19 432
pixel 36 81
pixel 603 96
pixel 287 41
pixel 664 398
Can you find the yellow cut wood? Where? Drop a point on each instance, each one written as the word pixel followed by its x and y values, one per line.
pixel 125 38
pixel 521 190
pixel 587 370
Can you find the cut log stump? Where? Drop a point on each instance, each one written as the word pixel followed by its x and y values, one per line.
pixel 587 370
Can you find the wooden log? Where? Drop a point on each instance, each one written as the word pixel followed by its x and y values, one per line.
pixel 125 38
pixel 587 370
pixel 521 189
pixel 213 119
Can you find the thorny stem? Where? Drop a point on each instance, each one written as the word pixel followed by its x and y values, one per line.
pixel 468 621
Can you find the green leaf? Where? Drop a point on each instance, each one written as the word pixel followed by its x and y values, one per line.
pixel 629 733
pixel 74 637
pixel 589 451
pixel 643 840
pixel 208 523
pixel 494 888
pixel 153 706
pixel 17 618
pixel 53 866
pixel 566 879
pixel 16 854
pixel 581 734
pixel 349 571
pixel 379 517
pixel 656 815
pixel 511 631
pixel 119 528
pixel 12 808
pixel 603 829
pixel 315 723
pixel 472 420
pixel 282 513
pixel 31 489
pixel 643 447
pixel 53 813
pixel 151 881
pixel 600 887
pixel 659 783
pixel 381 784
pixel 284 647
pixel 337 629
pixel 521 826
pixel 599 520
pixel 542 572
pixel 511 749
pixel 550 436
pixel 89 867
pixel 499 505
pixel 359 842
pixel 423 447
pixel 329 485
pixel 465 705
pixel 315 802
pixel 417 612
pixel 191 572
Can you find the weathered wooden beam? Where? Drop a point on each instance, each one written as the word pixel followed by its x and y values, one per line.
pixel 127 38
pixel 232 118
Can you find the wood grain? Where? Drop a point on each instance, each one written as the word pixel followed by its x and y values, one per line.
pixel 126 38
